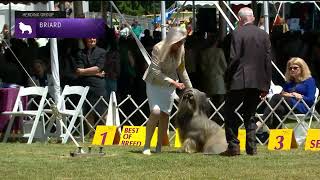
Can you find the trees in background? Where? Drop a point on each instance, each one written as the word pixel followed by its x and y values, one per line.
pixel 134 8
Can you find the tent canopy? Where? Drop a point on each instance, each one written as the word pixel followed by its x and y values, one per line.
pixel 211 3
pixel 23 2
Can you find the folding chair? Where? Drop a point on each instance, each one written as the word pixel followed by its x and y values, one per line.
pixel 66 113
pixel 297 117
pixel 309 114
pixel 19 111
pixel 274 89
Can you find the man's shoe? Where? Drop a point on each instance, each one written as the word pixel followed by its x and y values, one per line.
pixel 231 152
pixel 252 152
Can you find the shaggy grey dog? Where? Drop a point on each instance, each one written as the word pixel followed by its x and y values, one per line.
pixel 197 132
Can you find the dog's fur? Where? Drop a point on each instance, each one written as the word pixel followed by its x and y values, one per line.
pixel 197 132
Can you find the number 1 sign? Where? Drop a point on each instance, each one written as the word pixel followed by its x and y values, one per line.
pixel 281 139
pixel 104 135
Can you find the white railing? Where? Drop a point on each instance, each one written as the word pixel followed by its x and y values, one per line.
pixel 136 114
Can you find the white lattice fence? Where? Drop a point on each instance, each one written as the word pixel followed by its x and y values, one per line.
pixel 136 114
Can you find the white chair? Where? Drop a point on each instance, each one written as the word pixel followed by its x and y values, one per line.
pixel 73 113
pixel 274 89
pixel 300 117
pixel 19 111
pixel 309 114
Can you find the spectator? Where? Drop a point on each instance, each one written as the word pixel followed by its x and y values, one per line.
pixel 127 67
pixel 299 85
pixel 124 32
pixel 11 72
pixel 67 62
pixel 136 28
pixel 213 66
pixel 41 77
pixel 112 67
pixel 147 41
pixel 89 69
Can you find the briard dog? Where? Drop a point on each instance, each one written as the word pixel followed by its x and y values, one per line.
pixel 197 132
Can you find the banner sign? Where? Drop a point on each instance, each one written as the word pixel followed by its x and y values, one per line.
pixel 40 14
pixel 59 28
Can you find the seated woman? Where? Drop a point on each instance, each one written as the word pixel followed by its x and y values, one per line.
pixel 299 85
pixel 40 76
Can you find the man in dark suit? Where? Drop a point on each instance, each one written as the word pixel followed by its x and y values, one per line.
pixel 247 78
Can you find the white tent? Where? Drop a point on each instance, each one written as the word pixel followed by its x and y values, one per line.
pixel 211 3
pixel 8 17
pixel 265 5
pixel 6 8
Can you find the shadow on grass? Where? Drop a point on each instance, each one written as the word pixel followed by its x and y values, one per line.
pixel 168 152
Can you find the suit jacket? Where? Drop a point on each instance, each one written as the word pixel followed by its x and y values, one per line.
pixel 250 59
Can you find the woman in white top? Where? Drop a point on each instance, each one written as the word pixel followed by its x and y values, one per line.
pixel 167 66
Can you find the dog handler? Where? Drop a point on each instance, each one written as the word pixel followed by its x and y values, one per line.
pixel 167 66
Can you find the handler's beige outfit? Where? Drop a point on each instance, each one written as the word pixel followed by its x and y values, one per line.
pixel 159 90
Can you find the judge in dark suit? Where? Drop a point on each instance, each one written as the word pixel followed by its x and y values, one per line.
pixel 247 79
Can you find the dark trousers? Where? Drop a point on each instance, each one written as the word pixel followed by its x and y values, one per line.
pixel 250 99
pixel 281 110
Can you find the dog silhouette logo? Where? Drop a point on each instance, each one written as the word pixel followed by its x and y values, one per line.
pixel 25 27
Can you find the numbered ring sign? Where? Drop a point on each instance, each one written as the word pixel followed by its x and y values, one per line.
pixel 242 139
pixel 313 140
pixel 281 139
pixel 104 135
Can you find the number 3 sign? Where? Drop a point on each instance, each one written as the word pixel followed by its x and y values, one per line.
pixel 281 139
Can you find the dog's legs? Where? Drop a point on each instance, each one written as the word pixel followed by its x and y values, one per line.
pixel 190 145
pixel 215 145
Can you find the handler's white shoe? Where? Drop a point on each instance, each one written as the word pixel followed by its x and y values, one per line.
pixel 146 152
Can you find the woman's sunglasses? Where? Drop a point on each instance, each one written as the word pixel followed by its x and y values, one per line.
pixel 294 68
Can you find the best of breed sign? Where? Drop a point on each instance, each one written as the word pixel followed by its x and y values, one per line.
pixel 135 136
pixel 46 25
pixel 313 140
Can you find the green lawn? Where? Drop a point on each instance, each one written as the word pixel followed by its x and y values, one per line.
pixel 53 161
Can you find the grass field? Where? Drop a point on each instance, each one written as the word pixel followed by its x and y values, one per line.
pixel 53 161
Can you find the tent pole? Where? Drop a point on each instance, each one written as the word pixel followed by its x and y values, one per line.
pixel 284 12
pixel 222 23
pixel 266 15
pixel 313 16
pixel 193 16
pixel 54 62
pixel 315 3
pixel 230 10
pixel 111 23
pixel 9 20
pixel 163 19
pixel 223 14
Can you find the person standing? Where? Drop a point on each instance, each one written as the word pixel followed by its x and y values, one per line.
pixel 247 79
pixel 213 66
pixel 89 69
pixel 167 66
